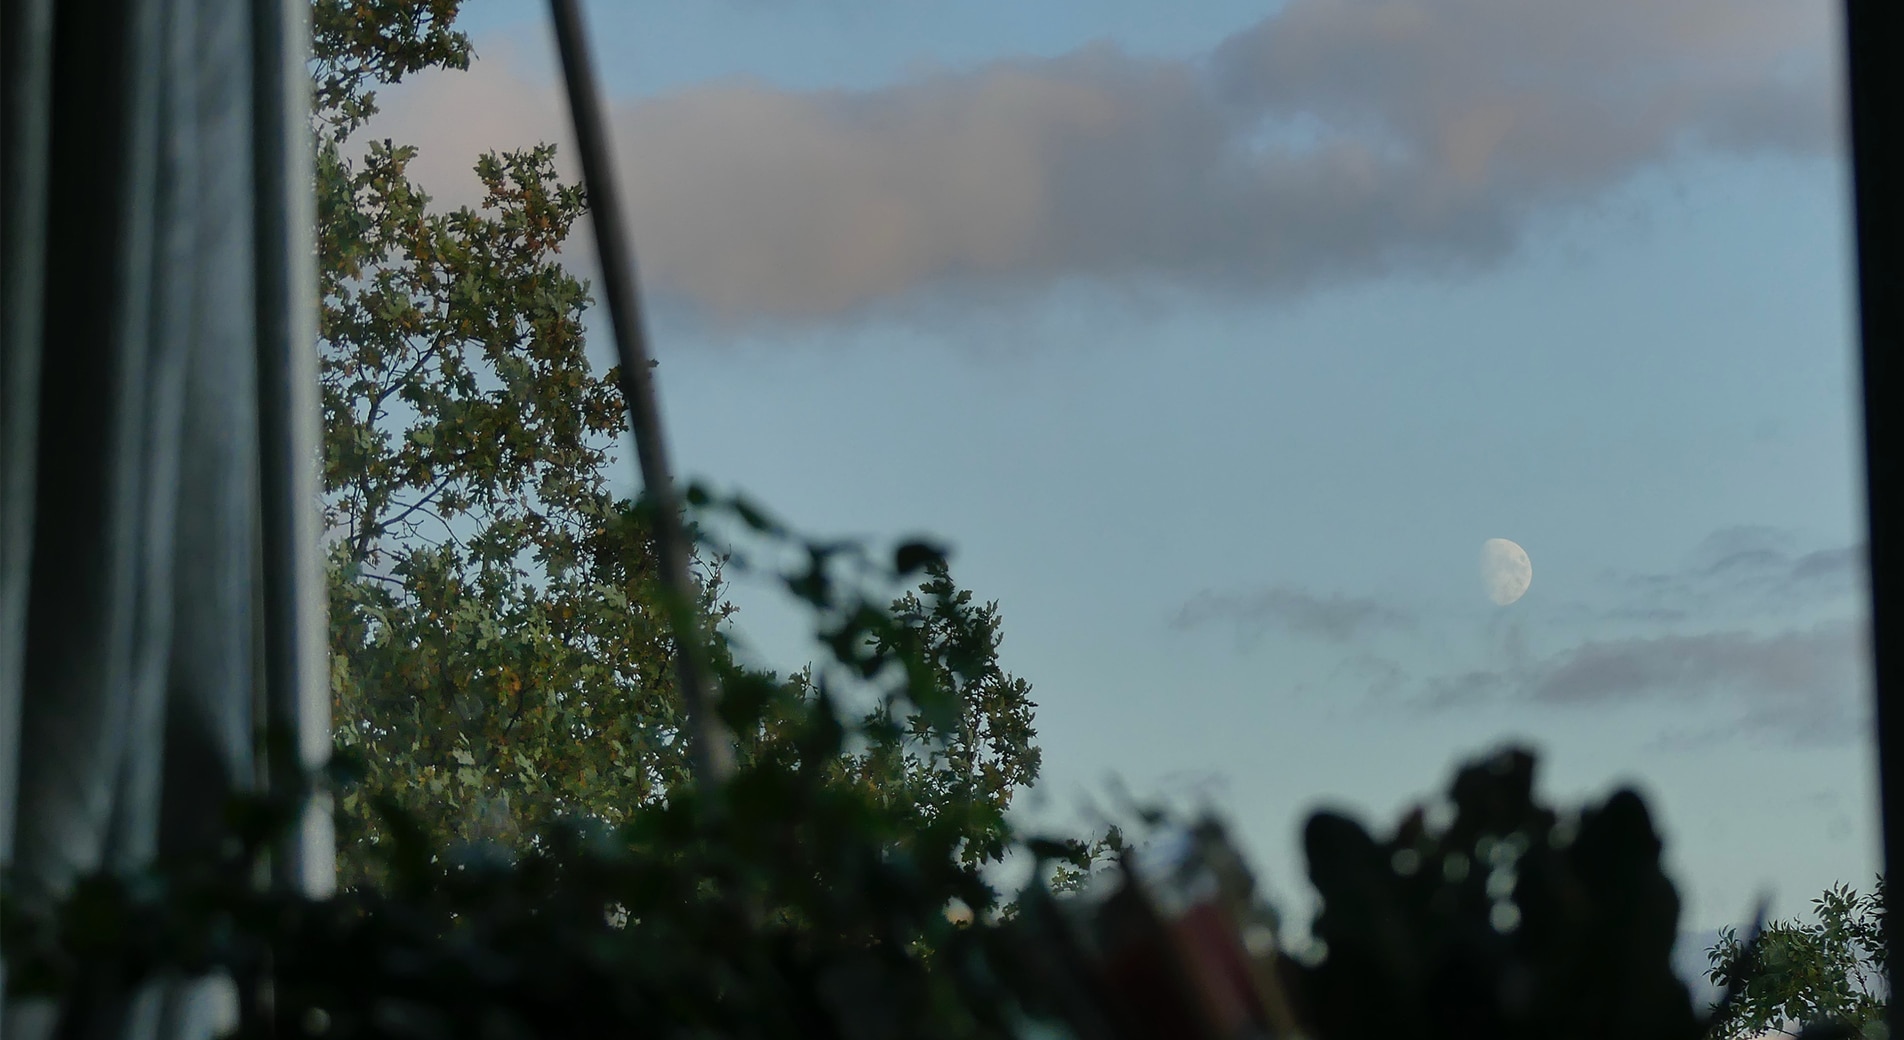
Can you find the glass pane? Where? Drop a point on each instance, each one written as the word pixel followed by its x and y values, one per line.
pixel 1220 343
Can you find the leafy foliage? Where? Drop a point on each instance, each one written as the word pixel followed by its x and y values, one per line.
pixel 783 903
pixel 949 739
pixel 1077 862
pixel 357 44
pixel 1796 976
pixel 790 907
pixel 786 904
pixel 496 656
pixel 974 765
pixel 499 656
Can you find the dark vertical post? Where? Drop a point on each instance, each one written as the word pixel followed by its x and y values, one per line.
pixel 26 60
pixel 712 749
pixel 1874 34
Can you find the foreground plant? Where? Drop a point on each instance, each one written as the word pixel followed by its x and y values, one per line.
pixel 1827 976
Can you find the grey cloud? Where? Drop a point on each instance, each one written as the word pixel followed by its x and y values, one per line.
pixel 1464 689
pixel 1747 560
pixel 1745 547
pixel 1336 617
pixel 1796 666
pixel 1805 683
pixel 1648 615
pixel 1333 140
pixel 1849 563
pixel 1744 568
pixel 1384 677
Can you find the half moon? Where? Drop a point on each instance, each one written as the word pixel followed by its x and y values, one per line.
pixel 1506 572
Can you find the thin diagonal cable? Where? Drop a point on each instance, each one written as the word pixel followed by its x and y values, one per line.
pixel 711 750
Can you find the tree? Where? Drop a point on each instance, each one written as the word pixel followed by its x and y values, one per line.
pixel 1798 976
pixel 498 656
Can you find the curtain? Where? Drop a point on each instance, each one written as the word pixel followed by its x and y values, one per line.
pixel 160 596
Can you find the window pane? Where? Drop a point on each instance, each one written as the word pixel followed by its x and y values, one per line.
pixel 1221 343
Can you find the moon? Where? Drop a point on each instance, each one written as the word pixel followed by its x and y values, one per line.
pixel 1505 570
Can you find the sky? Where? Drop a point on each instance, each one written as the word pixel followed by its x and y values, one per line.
pixel 1216 340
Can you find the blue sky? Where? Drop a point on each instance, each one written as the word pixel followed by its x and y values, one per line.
pixel 1217 340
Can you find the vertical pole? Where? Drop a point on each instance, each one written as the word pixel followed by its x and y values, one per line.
pixel 296 701
pixel 712 748
pixel 1874 34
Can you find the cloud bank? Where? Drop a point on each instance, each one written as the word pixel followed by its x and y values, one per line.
pixel 1746 569
pixel 1757 632
pixel 1336 618
pixel 1808 684
pixel 1772 632
pixel 1335 139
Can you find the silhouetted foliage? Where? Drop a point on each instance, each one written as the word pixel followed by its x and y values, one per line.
pixel 1509 920
pixel 787 904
